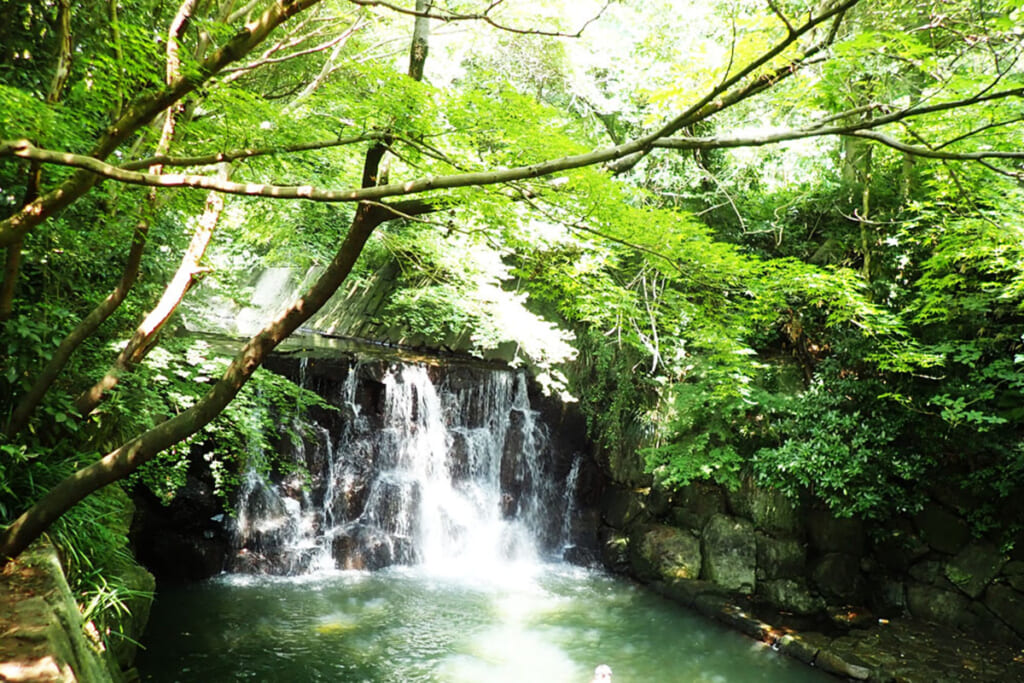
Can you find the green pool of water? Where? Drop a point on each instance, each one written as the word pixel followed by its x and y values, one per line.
pixel 535 623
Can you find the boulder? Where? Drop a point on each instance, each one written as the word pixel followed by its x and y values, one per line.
pixel 613 548
pixel 931 572
pixel 769 509
pixel 790 595
pixel 941 529
pixel 1008 605
pixel 132 623
pixel 837 576
pixel 974 567
pixel 665 553
pixel 44 637
pixel 1014 573
pixel 780 558
pixel 730 553
pixel 899 546
pixel 621 507
pixel 696 503
pixel 842 663
pixel 803 646
pixel 940 606
pixel 889 598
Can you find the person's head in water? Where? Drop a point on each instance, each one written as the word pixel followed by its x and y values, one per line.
pixel 602 674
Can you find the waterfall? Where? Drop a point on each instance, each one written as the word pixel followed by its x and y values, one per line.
pixel 447 468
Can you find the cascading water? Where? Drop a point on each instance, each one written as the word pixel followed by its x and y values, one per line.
pixel 456 472
pixel 451 470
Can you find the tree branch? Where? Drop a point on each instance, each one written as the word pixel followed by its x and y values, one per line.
pixel 142 111
pixel 235 155
pixel 448 16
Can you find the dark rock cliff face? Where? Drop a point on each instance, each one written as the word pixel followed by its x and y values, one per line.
pixel 335 500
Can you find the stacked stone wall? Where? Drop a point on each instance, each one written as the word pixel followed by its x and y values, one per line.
pixel 736 553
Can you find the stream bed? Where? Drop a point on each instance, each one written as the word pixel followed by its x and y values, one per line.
pixel 526 622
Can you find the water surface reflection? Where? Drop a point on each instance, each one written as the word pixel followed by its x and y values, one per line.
pixel 551 623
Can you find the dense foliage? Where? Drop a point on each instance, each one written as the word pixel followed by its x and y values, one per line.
pixel 796 253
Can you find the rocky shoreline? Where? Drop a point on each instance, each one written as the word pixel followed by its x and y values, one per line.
pixel 865 647
pixel 917 600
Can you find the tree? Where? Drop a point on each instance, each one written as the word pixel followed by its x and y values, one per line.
pixel 434 137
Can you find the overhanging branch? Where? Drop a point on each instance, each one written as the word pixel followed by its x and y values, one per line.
pixel 448 16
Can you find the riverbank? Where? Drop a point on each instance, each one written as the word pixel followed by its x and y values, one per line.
pixel 43 636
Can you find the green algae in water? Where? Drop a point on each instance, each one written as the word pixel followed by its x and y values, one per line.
pixel 550 623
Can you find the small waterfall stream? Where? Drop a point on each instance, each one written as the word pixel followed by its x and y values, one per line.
pixel 450 471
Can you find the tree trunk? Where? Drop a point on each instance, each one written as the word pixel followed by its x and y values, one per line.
pixel 61 72
pixel 84 329
pixel 30 401
pixel 124 460
pixel 145 335
pixel 420 40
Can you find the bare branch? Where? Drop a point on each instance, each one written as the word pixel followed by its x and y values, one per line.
pixel 235 72
pixel 448 16
pixel 781 16
pixel 26 150
pixel 980 129
pixel 708 105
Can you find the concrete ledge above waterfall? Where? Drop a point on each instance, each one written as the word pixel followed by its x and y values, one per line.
pixel 356 312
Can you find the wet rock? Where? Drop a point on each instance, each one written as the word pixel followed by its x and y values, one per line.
pixel 804 646
pixel 837 576
pixel 350 497
pixel 363 547
pixel 581 556
pixel 667 553
pixel 614 549
pixel 730 553
pixel 780 557
pixel 842 664
pixel 974 567
pixel 740 619
pixel 790 595
pixel 621 507
pixel 942 530
pixel 458 457
pixel 686 591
